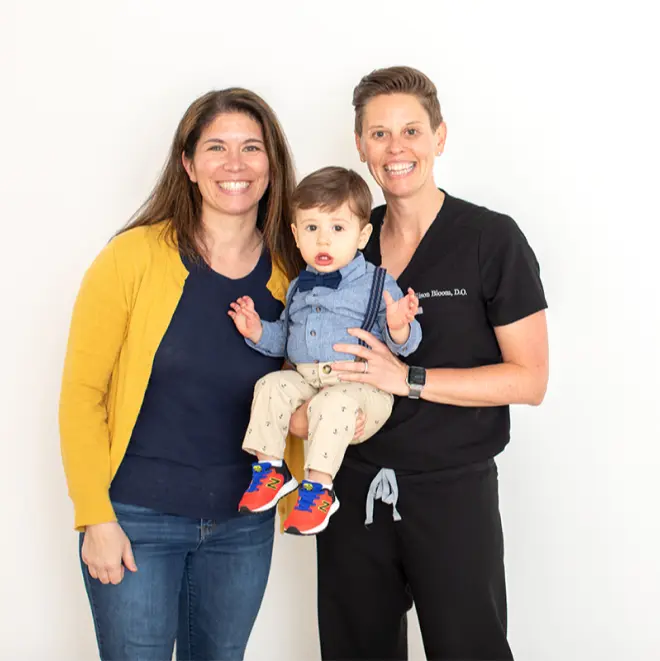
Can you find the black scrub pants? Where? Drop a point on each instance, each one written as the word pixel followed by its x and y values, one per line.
pixel 445 555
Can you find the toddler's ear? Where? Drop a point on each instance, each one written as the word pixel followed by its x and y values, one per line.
pixel 365 233
pixel 294 229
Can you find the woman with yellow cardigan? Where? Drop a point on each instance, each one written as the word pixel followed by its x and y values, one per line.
pixel 157 390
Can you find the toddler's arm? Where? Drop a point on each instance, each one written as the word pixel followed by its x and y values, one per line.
pixel 246 318
pixel 401 330
pixel 267 337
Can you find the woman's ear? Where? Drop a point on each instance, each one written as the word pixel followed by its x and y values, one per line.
pixel 358 144
pixel 189 168
pixel 440 137
pixel 365 233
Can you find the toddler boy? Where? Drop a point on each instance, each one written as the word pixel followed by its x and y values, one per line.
pixel 338 290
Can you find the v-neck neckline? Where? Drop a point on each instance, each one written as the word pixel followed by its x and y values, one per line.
pixel 435 225
pixel 207 271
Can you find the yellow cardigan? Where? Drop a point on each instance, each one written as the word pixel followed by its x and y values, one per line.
pixel 124 306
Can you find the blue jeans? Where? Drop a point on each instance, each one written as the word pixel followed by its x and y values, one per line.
pixel 198 582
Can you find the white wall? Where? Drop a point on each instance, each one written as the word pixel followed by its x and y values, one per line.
pixel 552 116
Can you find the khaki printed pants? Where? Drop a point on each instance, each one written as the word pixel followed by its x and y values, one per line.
pixel 332 413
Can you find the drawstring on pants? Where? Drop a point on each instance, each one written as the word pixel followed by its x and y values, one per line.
pixel 383 487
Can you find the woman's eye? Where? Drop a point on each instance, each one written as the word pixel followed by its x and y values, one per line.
pixel 311 228
pixel 412 131
pixel 338 228
pixel 216 148
pixel 378 134
pixel 252 148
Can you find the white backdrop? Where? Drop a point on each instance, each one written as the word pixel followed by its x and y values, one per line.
pixel 552 117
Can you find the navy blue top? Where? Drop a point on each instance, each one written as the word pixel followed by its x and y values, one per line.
pixel 185 454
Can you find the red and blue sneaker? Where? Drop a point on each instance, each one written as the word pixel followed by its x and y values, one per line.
pixel 313 510
pixel 269 484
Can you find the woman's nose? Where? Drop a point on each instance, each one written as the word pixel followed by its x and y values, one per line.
pixel 234 161
pixel 395 146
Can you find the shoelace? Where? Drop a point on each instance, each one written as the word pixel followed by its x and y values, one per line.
pixel 306 498
pixel 258 476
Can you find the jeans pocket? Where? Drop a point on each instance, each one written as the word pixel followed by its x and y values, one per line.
pixel 132 509
pixel 126 510
pixel 259 524
pixel 144 525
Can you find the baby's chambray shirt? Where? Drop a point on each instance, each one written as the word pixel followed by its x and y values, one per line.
pixel 321 317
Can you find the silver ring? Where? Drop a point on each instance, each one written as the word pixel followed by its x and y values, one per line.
pixel 366 367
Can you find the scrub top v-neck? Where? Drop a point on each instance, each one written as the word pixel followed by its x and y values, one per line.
pixel 472 271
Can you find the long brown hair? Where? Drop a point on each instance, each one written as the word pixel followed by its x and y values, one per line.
pixel 177 200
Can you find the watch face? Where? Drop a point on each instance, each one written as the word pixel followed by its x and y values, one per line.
pixel 416 376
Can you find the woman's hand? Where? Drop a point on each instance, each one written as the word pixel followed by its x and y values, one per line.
pixel 382 369
pixel 246 318
pixel 299 424
pixel 105 547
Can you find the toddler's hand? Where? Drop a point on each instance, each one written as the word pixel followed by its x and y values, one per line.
pixel 246 318
pixel 402 312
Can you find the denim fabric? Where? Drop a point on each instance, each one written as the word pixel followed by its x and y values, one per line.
pixel 320 318
pixel 198 582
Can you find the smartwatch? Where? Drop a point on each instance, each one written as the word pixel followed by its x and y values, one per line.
pixel 416 380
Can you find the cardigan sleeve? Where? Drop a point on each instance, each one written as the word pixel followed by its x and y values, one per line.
pixel 98 328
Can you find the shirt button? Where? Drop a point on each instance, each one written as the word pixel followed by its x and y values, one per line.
pixel 327 369
pixel 312 333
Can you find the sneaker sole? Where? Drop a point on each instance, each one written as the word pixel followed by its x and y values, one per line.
pixel 320 528
pixel 288 488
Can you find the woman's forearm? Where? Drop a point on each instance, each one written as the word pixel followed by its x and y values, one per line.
pixel 489 385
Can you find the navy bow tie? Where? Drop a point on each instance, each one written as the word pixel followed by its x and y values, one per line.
pixel 309 280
